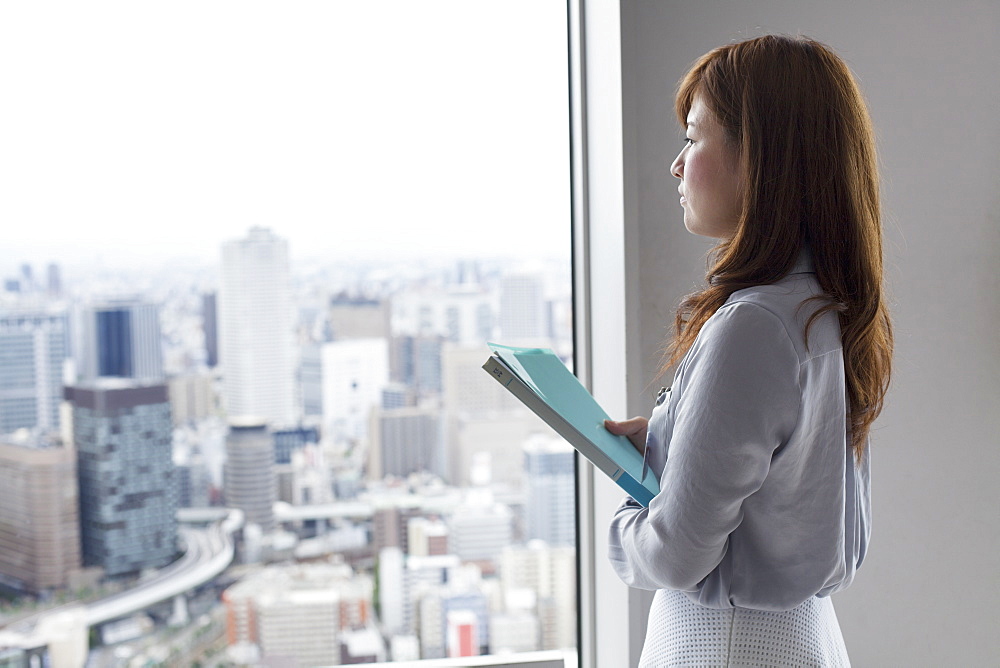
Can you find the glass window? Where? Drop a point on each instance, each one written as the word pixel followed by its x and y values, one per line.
pixel 255 255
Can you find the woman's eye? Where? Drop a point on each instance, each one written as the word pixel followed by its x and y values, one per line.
pixel 688 141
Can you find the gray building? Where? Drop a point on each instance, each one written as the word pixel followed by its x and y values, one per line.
pixel 121 339
pixel 249 482
pixel 33 347
pixel 123 431
pixel 549 476
pixel 39 522
pixel 405 441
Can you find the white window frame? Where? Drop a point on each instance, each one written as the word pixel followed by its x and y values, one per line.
pixel 606 322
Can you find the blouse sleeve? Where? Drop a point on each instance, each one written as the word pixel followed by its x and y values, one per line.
pixel 738 403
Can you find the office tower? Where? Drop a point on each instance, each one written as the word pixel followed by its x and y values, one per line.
pixel 39 520
pixel 256 350
pixel 405 441
pixel 54 280
pixel 391 563
pixel 354 373
pixel 416 362
pixel 192 397
pixel 396 395
pixel 479 530
pixel 468 390
pixel 311 379
pixel 549 572
pixel 358 318
pixel 249 478
pixel 33 347
pixel 123 432
pixel 389 527
pixel 121 339
pixel 522 308
pixel 426 537
pixel 515 631
pixel 210 326
pixel 549 474
pixel 298 615
pixel 194 483
pixel 287 441
pixel 27 278
pixel 463 316
pixel 420 576
pixel 493 439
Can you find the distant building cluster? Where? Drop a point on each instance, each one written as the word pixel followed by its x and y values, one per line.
pixel 398 503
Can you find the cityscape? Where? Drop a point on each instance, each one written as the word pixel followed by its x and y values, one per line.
pixel 255 462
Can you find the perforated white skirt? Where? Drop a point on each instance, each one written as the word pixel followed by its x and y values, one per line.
pixel 682 633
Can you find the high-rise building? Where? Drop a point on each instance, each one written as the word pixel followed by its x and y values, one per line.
pixel 391 589
pixel 463 316
pixel 549 475
pixel 210 326
pixel 416 362
pixel 256 350
pixel 522 308
pixel 192 397
pixel 427 537
pixel 549 572
pixel 249 477
pixel 33 347
pixel 358 318
pixel 354 373
pixel 54 280
pixel 405 441
pixel 121 339
pixel 298 615
pixel 39 520
pixel 128 506
pixel 479 530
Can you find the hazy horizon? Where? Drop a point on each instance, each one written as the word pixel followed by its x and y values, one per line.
pixel 140 133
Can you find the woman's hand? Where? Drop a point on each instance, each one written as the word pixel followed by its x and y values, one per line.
pixel 634 429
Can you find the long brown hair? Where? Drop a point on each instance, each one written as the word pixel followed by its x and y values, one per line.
pixel 807 151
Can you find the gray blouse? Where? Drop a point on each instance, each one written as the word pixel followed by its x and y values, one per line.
pixel 761 504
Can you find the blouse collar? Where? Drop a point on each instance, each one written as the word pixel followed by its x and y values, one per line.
pixel 803 263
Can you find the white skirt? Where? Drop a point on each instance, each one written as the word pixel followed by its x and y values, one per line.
pixel 683 633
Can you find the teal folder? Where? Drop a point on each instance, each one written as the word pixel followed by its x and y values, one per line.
pixel 539 379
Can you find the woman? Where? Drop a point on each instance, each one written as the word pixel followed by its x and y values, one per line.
pixel 761 445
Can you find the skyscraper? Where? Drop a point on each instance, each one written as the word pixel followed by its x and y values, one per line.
pixel 128 505
pixel 354 373
pixel 33 347
pixel 549 474
pixel 39 521
pixel 522 308
pixel 121 339
pixel 405 441
pixel 250 482
pixel 210 326
pixel 255 329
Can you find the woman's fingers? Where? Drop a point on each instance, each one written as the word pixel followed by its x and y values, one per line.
pixel 634 428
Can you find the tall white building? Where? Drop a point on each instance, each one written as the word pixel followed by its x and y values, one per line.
pixel 354 373
pixel 464 315
pixel 34 347
pixel 256 329
pixel 523 315
pixel 549 572
pixel 480 529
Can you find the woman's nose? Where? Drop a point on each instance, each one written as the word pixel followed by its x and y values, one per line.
pixel 677 168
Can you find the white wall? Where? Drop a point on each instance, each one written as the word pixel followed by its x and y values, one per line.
pixel 929 593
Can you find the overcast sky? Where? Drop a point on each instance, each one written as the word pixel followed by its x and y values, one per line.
pixel 138 131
